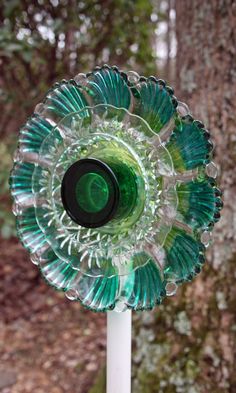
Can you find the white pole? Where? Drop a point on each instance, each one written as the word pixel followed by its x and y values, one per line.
pixel 119 352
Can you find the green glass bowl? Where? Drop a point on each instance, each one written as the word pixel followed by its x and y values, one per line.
pixel 114 190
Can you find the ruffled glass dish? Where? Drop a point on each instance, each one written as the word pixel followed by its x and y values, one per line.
pixel 156 232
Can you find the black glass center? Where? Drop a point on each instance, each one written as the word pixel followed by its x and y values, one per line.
pixel 90 192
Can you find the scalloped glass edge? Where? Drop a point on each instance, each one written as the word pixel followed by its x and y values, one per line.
pixel 182 110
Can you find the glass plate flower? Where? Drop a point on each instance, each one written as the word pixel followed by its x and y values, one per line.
pixel 150 172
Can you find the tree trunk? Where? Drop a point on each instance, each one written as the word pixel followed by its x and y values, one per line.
pixel 188 345
pixel 206 80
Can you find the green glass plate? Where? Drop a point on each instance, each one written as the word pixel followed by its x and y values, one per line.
pixel 114 190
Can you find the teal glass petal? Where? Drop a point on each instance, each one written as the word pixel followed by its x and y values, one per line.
pixel 65 97
pixel 184 256
pixel 29 232
pixel 148 288
pixel 98 293
pixel 189 145
pixel 107 86
pixel 21 181
pixel 33 133
pixel 199 203
pixel 154 102
pixel 56 272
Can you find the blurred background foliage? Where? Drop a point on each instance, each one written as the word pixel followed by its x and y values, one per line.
pixel 187 345
pixel 42 42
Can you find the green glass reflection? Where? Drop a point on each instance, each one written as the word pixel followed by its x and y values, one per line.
pixel 127 186
pixel 130 183
pixel 92 192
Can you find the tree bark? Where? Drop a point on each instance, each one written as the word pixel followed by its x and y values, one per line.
pixel 206 80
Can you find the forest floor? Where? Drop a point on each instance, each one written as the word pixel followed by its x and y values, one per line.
pixel 47 343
